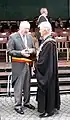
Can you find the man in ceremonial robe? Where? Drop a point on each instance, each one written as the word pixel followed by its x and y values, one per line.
pixel 43 16
pixel 18 47
pixel 48 96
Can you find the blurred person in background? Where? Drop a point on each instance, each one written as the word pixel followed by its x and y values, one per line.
pixel 43 16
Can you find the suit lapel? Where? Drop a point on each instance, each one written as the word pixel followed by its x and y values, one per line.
pixel 29 44
pixel 20 41
pixel 28 41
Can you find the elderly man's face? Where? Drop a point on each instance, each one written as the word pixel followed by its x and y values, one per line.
pixel 25 31
pixel 42 31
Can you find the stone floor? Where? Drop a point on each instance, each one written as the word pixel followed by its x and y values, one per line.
pixel 7 112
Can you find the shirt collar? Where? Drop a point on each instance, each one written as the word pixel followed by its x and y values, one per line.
pixel 47 36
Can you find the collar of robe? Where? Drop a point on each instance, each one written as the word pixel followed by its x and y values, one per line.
pixel 47 39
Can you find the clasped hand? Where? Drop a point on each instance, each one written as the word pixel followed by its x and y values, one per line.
pixel 25 53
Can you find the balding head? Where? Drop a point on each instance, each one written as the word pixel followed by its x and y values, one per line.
pixel 24 27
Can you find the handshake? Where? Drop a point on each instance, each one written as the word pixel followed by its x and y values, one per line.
pixel 27 52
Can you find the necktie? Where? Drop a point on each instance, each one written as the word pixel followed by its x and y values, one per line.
pixel 25 41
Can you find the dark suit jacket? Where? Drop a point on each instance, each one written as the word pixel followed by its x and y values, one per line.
pixel 14 47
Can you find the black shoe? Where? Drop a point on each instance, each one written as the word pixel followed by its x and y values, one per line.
pixel 42 115
pixel 29 106
pixel 56 111
pixel 19 110
pixel 50 114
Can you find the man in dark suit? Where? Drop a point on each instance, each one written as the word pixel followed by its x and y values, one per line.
pixel 20 46
pixel 48 96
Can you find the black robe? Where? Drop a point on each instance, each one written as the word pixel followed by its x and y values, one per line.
pixel 48 96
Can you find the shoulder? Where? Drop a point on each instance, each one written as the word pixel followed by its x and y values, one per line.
pixel 13 34
pixel 51 43
pixel 41 19
pixel 41 16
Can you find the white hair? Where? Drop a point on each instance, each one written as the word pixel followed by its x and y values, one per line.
pixel 24 24
pixel 46 26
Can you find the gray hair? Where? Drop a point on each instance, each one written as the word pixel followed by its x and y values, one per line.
pixel 46 26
